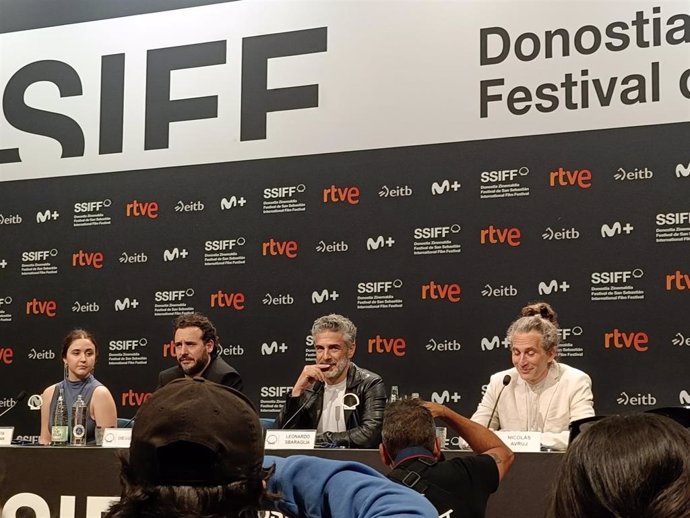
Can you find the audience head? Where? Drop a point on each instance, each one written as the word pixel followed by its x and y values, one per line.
pixel 407 423
pixel 196 450
pixel 633 466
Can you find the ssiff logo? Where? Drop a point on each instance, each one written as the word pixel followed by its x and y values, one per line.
pixel 552 286
pixel 615 229
pixel 564 178
pixel 618 339
pixel 678 281
pixel 380 345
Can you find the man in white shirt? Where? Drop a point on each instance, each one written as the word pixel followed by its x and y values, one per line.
pixel 343 402
pixel 538 393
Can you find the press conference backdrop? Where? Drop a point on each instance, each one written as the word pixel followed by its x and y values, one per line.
pixel 423 168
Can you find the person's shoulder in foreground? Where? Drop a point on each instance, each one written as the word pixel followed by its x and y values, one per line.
pixel 341 490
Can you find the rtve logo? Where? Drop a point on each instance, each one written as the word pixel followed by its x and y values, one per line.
pixel 496 236
pixel 683 170
pixel 500 291
pixel 47 215
pixel 547 288
pixel 142 209
pixel 445 396
pixel 444 186
pixel 85 307
pixel 319 297
pixel 46 308
pixel 678 281
pixel 334 247
pixel 136 257
pixel 637 174
pixel 127 345
pixel 192 206
pixel 169 349
pixel 380 345
pixel 283 192
pixel 617 339
pixel 566 332
pixel 435 291
pixel 287 248
pixel 503 175
pixel 38 255
pixel 443 345
pixel 14 219
pixel 82 259
pixel 495 342
pixel 232 202
pixel 334 194
pixel 673 218
pixel 231 300
pixel 679 339
pixel 91 206
pixel 560 235
pixel 374 243
pixel 615 229
pixel 564 178
pixel 6 355
pixel 132 398
pixel 126 303
pixel 616 277
pixel 639 400
pixel 278 300
pixel 395 192
pixel 172 254
pixel 273 348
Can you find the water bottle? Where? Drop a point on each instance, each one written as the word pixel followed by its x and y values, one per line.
pixel 394 394
pixel 79 422
pixel 59 431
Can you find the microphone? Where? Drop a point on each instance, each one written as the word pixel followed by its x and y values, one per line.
pixel 506 382
pixel 20 397
pixel 316 389
pixel 128 424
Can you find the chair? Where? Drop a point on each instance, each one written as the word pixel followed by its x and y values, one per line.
pixel 680 414
pixel 123 422
pixel 267 423
pixel 580 425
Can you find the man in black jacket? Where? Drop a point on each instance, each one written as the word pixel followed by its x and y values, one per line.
pixel 196 352
pixel 343 402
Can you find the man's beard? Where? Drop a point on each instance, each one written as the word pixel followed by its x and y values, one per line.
pixel 340 367
pixel 197 367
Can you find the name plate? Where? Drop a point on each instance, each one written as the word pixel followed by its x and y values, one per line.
pixel 117 437
pixel 290 439
pixel 6 433
pixel 521 441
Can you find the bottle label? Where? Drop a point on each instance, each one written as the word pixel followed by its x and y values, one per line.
pixel 58 434
pixel 79 431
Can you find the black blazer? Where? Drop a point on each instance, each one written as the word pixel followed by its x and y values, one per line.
pixel 218 371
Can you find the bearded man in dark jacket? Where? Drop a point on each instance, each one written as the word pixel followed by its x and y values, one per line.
pixel 343 402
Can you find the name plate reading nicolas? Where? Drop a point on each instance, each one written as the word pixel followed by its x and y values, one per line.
pixel 290 439
pixel 6 433
pixel 117 437
pixel 521 441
